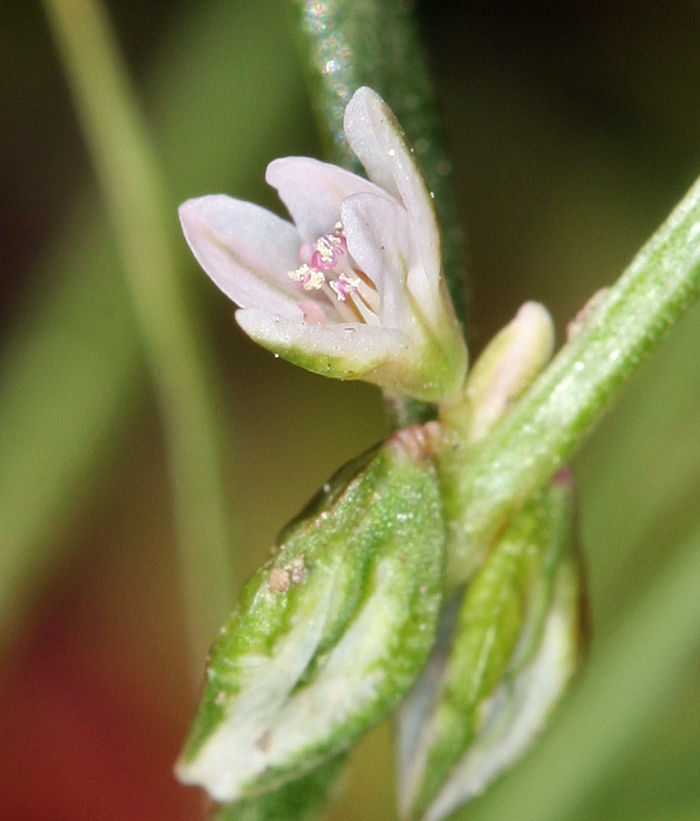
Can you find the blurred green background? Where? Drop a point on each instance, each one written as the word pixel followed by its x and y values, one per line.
pixel 573 130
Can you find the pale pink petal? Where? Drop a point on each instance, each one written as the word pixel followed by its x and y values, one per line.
pixel 312 311
pixel 312 192
pixel 360 348
pixel 377 140
pixel 246 250
pixel 379 240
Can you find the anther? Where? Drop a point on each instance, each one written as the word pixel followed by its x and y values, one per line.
pixel 310 279
pixel 344 286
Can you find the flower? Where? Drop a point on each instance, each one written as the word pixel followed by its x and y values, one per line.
pixel 354 288
pixel 506 367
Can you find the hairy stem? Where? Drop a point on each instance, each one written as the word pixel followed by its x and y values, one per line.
pixel 486 485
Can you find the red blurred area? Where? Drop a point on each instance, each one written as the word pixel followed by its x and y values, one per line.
pixel 80 741
pixel 96 693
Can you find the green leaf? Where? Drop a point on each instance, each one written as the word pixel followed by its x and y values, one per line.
pixel 300 800
pixel 331 632
pixel 500 669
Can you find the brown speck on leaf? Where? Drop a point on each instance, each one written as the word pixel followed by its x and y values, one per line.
pixel 263 743
pixel 279 580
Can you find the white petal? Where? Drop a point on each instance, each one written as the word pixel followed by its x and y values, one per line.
pixel 346 351
pixel 246 250
pixel 378 142
pixel 379 240
pixel 312 192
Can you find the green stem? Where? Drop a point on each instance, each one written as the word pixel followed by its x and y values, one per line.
pixel 349 43
pixel 485 486
pixel 131 186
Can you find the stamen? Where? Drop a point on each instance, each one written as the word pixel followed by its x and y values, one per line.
pixel 327 267
pixel 364 310
pixel 344 286
pixel 371 305
pixel 329 248
pixel 346 310
pixel 310 279
pixel 367 292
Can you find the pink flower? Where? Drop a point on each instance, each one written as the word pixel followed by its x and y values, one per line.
pixel 353 288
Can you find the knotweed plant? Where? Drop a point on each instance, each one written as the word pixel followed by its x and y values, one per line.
pixel 353 617
pixel 434 578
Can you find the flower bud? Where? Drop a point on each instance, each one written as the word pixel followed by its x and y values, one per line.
pixel 502 373
pixel 504 656
pixel 331 632
pixel 507 366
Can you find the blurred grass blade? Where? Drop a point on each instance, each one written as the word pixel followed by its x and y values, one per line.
pixel 68 375
pixel 130 179
pixel 70 365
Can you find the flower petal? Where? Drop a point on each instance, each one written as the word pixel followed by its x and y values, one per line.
pixel 246 250
pixel 344 351
pixel 312 192
pixel 379 143
pixel 379 240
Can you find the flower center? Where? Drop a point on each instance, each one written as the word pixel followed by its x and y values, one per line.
pixel 327 267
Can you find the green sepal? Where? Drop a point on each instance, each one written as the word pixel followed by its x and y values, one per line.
pixel 331 632
pixel 507 649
